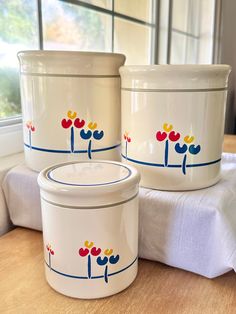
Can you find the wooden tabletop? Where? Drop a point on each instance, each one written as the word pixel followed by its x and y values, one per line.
pixel 157 289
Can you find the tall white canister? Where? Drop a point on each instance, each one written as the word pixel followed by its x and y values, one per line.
pixel 90 227
pixel 173 123
pixel 70 106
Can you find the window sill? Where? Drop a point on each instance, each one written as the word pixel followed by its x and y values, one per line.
pixel 6 163
pixel 11 139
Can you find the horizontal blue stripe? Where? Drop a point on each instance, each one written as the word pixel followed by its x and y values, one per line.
pixel 173 165
pixel 93 277
pixel 83 151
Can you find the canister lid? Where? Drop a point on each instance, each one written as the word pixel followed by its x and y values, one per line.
pixel 175 77
pixel 89 184
pixel 71 63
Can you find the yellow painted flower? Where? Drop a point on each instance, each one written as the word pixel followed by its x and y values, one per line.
pixel 88 244
pixel 92 125
pixel 167 127
pixel 108 252
pixel 188 139
pixel 71 115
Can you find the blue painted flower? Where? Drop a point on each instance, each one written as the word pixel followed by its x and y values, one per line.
pixel 85 135
pixel 98 135
pixel 103 261
pixel 91 133
pixel 194 150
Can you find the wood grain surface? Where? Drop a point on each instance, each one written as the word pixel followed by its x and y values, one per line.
pixel 157 288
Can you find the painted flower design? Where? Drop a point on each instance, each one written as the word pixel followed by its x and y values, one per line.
pixel 186 147
pixel 91 133
pixel 50 253
pixel 127 140
pixel 108 258
pixel 89 250
pixel 31 129
pixel 167 135
pixel 70 123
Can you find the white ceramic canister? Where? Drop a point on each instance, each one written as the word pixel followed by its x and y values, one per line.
pixel 70 105
pixel 90 227
pixel 173 123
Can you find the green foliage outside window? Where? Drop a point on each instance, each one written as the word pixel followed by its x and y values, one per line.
pixel 17 29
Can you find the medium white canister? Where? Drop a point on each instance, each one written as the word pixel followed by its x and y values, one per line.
pixel 173 123
pixel 71 106
pixel 90 227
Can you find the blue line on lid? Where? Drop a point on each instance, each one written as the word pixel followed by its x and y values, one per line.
pixel 49 176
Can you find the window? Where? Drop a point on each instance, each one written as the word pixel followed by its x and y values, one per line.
pixel 18 31
pixel 146 31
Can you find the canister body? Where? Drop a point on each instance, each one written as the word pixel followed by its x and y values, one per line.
pixel 173 135
pixel 90 253
pixel 70 111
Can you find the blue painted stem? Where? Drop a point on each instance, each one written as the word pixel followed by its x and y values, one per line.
pixel 72 139
pixel 106 274
pixel 30 139
pixel 49 259
pixel 166 153
pixel 126 149
pixel 89 266
pixel 89 149
pixel 184 164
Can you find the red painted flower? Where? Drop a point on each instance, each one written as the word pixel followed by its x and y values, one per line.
pixel 66 123
pixel 48 247
pixel 95 251
pixel 30 126
pixel 161 136
pixel 126 137
pixel 79 123
pixel 83 252
pixel 89 248
pixel 72 120
pixel 168 131
pixel 174 136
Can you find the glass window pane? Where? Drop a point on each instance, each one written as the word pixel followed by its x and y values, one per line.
pixel 186 16
pixel 178 48
pixel 206 32
pixel 18 31
pixel 184 49
pixel 180 14
pixel 192 35
pixel 106 4
pixel 191 50
pixel 134 40
pixel 70 27
pixel 141 9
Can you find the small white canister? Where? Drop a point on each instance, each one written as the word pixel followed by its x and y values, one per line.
pixel 173 123
pixel 70 105
pixel 90 227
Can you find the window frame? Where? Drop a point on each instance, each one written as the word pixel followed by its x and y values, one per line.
pixel 12 126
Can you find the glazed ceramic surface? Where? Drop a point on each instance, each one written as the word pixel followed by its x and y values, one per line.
pixel 173 123
pixel 90 227
pixel 70 105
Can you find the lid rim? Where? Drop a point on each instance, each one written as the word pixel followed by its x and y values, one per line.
pixel 93 195
pixel 65 53
pixel 92 207
pixel 178 77
pixel 48 175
